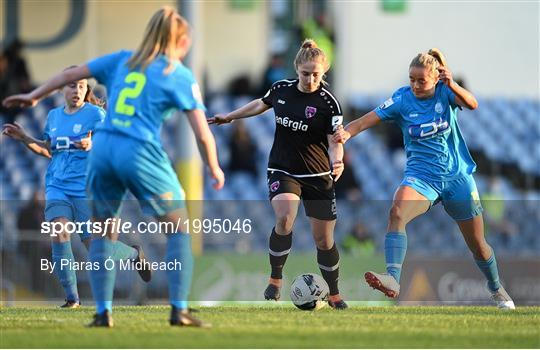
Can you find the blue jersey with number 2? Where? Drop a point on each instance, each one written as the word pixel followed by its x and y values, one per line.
pixel 435 148
pixel 139 101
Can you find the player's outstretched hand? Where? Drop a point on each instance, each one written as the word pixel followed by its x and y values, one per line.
pixel 341 135
pixel 85 143
pixel 219 178
pixel 15 131
pixel 219 119
pixel 21 100
pixel 445 76
pixel 337 169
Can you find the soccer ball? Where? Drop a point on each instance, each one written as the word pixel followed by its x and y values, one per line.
pixel 309 291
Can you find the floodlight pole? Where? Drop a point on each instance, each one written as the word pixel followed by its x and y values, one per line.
pixel 189 168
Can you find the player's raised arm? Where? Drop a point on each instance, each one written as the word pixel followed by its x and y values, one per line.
pixel 207 145
pixel 251 109
pixel 17 132
pixel 32 98
pixel 463 97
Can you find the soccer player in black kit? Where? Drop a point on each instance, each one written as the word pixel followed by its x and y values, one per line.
pixel 304 163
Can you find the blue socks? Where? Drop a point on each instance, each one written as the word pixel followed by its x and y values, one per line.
pixel 61 251
pixel 395 248
pixel 179 272
pixel 122 251
pixel 179 277
pixel 101 279
pixel 489 269
pixel 66 275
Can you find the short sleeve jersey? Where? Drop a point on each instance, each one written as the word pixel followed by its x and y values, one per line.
pixel 139 101
pixel 433 142
pixel 67 169
pixel 303 123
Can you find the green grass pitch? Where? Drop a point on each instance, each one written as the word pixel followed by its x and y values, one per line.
pixel 276 327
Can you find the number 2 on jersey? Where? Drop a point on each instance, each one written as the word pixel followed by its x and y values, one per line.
pixel 130 92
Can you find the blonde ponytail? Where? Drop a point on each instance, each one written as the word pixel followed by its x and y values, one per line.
pixel 161 35
pixel 309 52
pixel 431 60
pixel 438 56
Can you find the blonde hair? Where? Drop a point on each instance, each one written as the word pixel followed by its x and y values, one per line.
pixel 162 33
pixel 431 60
pixel 309 52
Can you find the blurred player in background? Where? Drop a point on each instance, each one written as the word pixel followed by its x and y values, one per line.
pixel 304 163
pixel 67 142
pixel 143 86
pixel 439 168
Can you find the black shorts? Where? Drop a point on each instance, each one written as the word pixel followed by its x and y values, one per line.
pixel 317 192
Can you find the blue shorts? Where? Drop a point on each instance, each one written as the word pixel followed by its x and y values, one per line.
pixel 75 209
pixel 460 197
pixel 118 163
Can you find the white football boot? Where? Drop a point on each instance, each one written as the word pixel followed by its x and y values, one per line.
pixel 384 282
pixel 502 299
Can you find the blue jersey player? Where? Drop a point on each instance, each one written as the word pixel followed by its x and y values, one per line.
pixel 439 168
pixel 67 142
pixel 143 87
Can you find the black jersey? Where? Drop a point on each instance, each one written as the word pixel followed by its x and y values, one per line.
pixel 303 123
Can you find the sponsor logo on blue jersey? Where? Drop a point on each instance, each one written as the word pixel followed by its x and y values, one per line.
pixel 64 143
pixel 429 130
